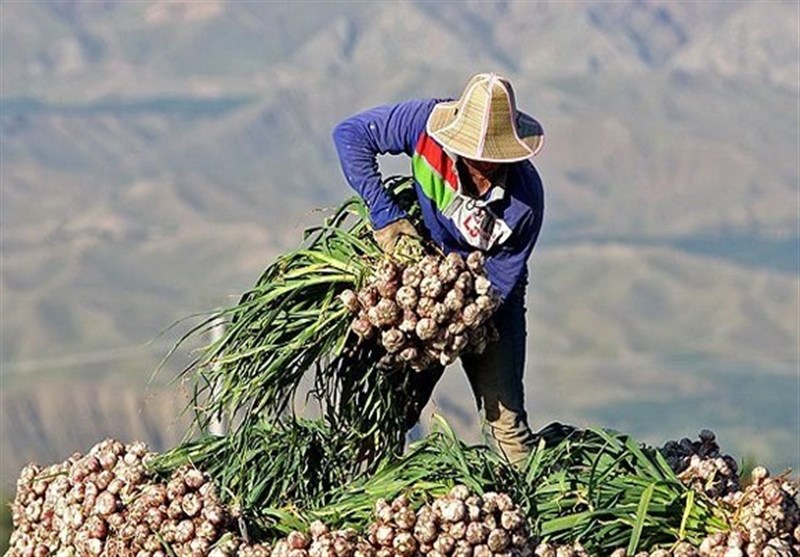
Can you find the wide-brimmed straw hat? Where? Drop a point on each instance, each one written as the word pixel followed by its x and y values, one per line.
pixel 484 124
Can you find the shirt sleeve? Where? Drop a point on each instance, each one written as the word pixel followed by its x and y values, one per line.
pixel 505 267
pixel 388 129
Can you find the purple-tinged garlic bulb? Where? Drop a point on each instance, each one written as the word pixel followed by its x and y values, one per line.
pixel 485 303
pixel 471 315
pixel 476 262
pixel 455 260
pixel 362 328
pixel 368 297
pixel 447 273
pixel 455 328
pixel 409 322
pixel 393 340
pixel 374 316
pixel 465 283
pixel 387 271
pixel 511 520
pixel 476 533
pixel 440 313
pixel 454 510
pixel 404 544
pixel 428 266
pixel 407 297
pixel 431 286
pixel 498 540
pixel 350 301
pixel 388 313
pixel 425 307
pixel 409 354
pixel 426 328
pixel 412 276
pixel 297 540
pixel 388 289
pixel 482 285
pixel 454 300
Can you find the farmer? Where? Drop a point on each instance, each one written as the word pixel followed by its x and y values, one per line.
pixel 477 191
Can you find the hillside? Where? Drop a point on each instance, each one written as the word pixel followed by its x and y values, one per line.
pixel 156 156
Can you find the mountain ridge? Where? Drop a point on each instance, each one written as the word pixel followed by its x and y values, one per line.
pixel 156 157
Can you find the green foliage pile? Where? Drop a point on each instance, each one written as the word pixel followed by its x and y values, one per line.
pixel 596 486
pixel 292 324
pixel 283 471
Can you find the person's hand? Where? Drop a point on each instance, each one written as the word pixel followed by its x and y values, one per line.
pixel 388 236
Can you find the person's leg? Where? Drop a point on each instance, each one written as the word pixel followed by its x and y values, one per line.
pixel 496 379
pixel 420 390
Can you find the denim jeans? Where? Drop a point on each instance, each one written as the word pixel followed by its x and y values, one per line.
pixel 496 380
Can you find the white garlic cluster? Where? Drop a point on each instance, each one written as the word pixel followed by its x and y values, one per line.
pixel 460 524
pixel 106 503
pixel 425 313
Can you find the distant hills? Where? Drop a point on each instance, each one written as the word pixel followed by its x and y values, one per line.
pixel 156 156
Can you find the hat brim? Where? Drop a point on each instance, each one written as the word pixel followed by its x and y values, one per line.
pixel 528 140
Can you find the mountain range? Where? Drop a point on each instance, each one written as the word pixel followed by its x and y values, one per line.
pixel 157 155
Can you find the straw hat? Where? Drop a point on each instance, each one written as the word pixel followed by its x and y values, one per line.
pixel 484 123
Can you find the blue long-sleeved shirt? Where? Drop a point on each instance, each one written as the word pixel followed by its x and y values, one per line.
pixel 504 223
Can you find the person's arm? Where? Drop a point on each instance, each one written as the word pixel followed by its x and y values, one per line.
pixel 505 267
pixel 392 129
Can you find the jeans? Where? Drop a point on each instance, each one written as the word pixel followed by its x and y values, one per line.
pixel 496 380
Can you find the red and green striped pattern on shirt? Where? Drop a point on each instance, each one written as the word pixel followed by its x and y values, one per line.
pixel 434 171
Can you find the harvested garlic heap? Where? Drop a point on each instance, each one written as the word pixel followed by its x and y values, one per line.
pixel 320 541
pixel 425 313
pixel 765 517
pixel 105 503
pixel 459 524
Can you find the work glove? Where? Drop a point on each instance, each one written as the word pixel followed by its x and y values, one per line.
pixel 388 236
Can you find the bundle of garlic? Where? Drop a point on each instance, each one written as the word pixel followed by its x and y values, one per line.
pixel 75 506
pixel 184 514
pixel 766 515
pixel 460 524
pixel 106 503
pixel 680 549
pixel 427 312
pixel 575 549
pixel 321 541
